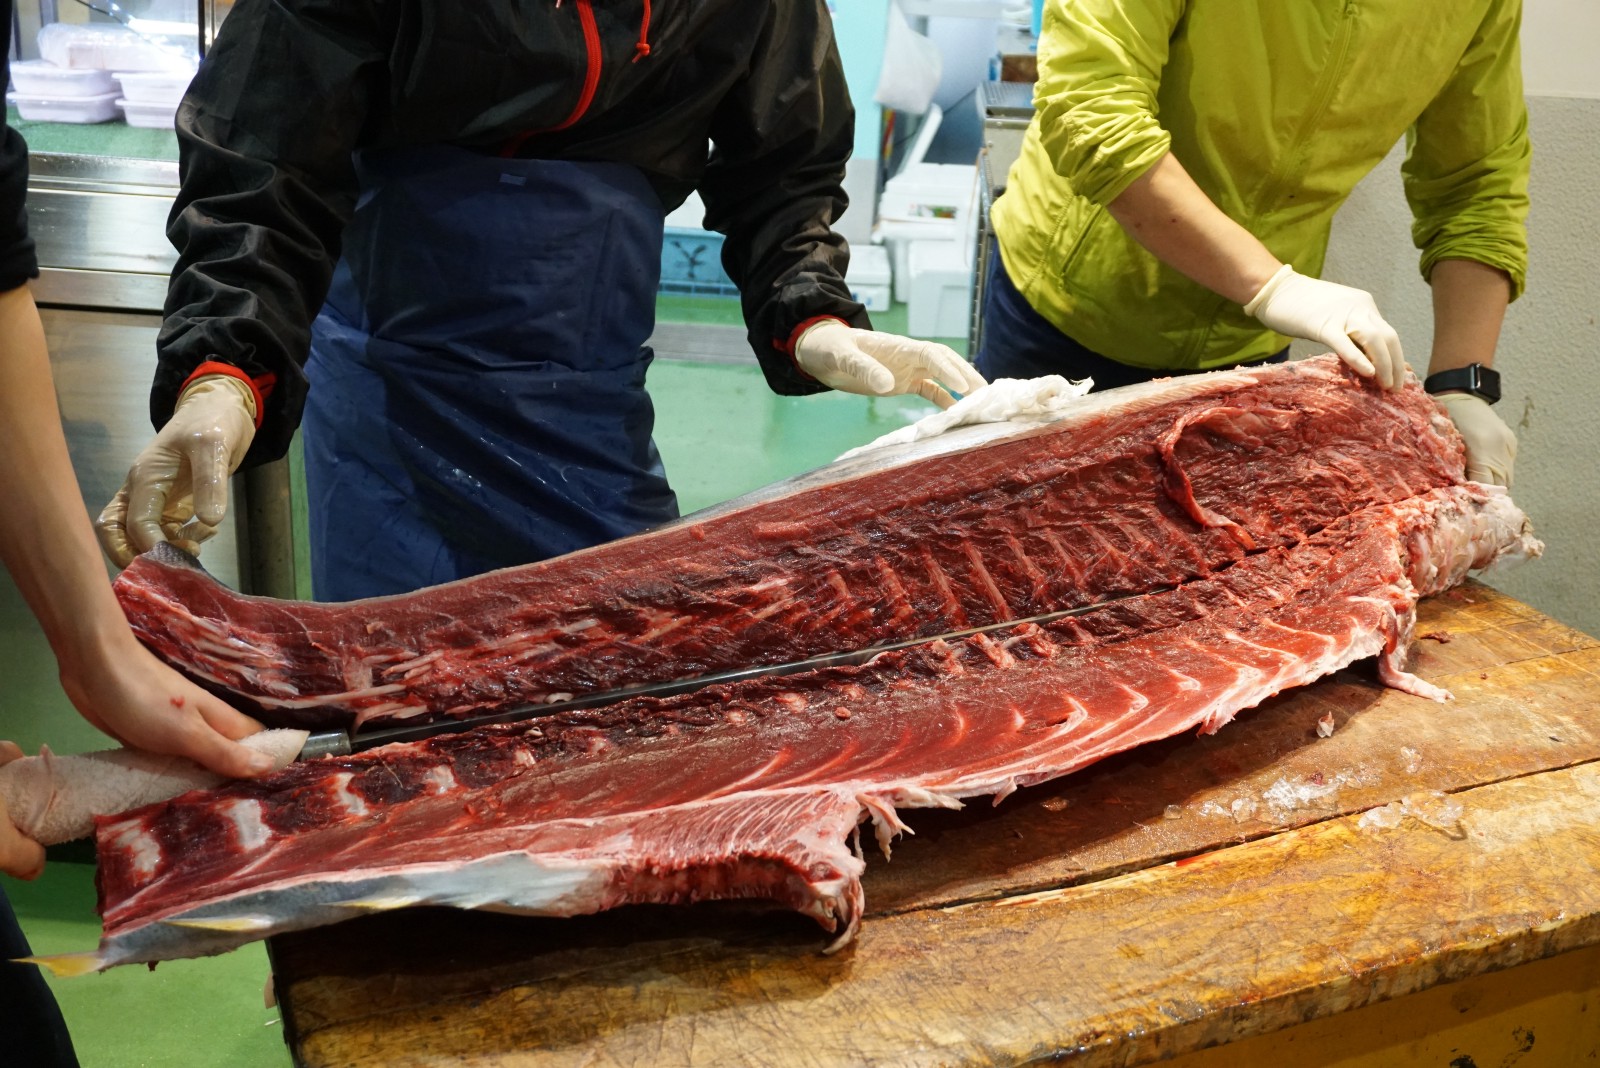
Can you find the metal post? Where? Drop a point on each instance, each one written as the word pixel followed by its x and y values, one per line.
pixel 266 532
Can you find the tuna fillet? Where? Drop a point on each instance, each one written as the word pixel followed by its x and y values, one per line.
pixel 1138 488
pixel 1270 527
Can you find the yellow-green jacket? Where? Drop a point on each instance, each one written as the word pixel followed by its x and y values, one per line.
pixel 1277 108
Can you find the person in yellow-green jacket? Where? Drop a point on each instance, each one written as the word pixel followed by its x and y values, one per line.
pixel 1171 207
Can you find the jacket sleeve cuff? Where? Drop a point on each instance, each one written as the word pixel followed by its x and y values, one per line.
pixel 1510 256
pixel 1105 180
pixel 260 387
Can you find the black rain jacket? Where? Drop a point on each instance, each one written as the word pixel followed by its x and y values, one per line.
pixel 743 99
pixel 17 260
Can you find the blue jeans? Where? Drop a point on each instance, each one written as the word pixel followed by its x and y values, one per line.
pixel 1018 342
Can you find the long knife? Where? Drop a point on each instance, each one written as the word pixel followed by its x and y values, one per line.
pixel 339 742
pixel 55 787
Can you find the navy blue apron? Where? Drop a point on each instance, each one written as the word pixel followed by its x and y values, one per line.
pixel 477 394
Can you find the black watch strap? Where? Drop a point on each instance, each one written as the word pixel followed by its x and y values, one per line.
pixel 1474 378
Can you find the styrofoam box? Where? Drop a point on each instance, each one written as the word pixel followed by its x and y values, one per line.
pixel 925 202
pixel 929 191
pixel 155 116
pixel 869 276
pixel 897 236
pixel 154 86
pixel 99 108
pixel 872 298
pixel 39 78
pixel 941 290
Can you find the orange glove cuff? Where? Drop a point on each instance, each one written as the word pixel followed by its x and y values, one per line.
pixel 787 347
pixel 260 388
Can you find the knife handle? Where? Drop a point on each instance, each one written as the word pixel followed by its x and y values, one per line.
pixel 326 744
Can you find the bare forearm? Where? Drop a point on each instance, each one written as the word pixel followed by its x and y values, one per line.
pixel 49 548
pixel 1469 305
pixel 1166 212
pixel 45 537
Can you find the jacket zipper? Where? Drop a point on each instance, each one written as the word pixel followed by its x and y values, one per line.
pixel 591 76
pixel 1347 25
pixel 1294 159
pixel 591 80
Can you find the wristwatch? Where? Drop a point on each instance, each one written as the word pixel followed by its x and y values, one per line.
pixel 1480 381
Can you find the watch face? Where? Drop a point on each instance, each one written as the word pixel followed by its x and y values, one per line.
pixel 1487 382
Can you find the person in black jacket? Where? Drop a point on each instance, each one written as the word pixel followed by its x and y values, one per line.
pixel 473 195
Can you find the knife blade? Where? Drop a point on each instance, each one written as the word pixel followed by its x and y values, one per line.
pixel 343 743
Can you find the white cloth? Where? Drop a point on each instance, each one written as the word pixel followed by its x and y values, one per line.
pixel 1005 400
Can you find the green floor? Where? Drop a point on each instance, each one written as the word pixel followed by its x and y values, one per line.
pixel 721 432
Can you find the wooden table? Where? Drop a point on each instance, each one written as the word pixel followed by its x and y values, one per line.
pixel 1195 892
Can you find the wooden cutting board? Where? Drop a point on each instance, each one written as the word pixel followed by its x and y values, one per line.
pixel 1196 891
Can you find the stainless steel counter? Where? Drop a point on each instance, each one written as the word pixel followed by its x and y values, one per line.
pixel 100 226
pixel 104 260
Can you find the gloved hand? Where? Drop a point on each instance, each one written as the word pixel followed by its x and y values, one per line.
pixel 1491 446
pixel 20 856
pixel 877 365
pixel 177 488
pixel 1344 319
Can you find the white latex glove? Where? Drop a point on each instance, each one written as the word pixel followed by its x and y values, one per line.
pixel 878 365
pixel 177 488
pixel 20 856
pixel 1344 319
pixel 1491 446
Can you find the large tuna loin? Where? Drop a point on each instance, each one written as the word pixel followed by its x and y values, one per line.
pixel 1136 489
pixel 752 790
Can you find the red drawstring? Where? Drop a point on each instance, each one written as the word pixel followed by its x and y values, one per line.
pixel 642 49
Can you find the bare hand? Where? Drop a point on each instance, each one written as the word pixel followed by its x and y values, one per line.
pixel 142 703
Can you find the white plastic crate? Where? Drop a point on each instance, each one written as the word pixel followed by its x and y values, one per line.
pixel 898 235
pixel 929 191
pixel 99 46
